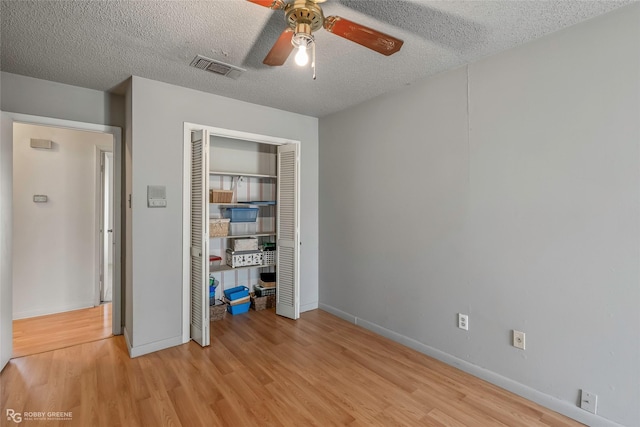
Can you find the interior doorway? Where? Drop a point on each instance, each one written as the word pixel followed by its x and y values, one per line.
pixel 43 204
pixel 61 197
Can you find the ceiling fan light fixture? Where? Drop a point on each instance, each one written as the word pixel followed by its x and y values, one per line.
pixel 302 58
pixel 302 41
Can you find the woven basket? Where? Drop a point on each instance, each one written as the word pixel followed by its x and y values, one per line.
pixel 217 312
pixel 218 227
pixel 220 196
pixel 261 303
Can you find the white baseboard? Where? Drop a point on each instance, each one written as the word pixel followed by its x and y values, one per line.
pixel 553 403
pixel 52 310
pixel 151 347
pixel 309 307
pixel 127 339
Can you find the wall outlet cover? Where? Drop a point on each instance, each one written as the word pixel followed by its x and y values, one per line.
pixel 463 321
pixel 588 401
pixel 519 339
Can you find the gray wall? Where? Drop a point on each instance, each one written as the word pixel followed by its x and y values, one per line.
pixel 159 112
pixel 519 208
pixel 6 288
pixel 43 98
pixel 127 253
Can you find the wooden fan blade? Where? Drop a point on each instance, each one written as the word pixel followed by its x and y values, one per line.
pixel 271 4
pixel 365 36
pixel 281 49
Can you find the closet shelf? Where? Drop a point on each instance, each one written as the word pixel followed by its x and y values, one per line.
pixel 219 268
pixel 259 203
pixel 248 175
pixel 243 236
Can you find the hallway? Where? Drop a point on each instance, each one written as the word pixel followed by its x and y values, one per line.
pixel 55 331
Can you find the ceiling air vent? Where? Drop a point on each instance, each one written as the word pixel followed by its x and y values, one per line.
pixel 217 67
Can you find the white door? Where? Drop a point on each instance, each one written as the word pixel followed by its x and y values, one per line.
pixel 106 228
pixel 107 294
pixel 288 230
pixel 199 271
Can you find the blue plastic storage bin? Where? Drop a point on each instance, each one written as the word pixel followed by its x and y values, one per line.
pixel 236 293
pixel 241 214
pixel 239 308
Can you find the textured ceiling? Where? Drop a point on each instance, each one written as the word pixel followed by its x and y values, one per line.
pixel 99 44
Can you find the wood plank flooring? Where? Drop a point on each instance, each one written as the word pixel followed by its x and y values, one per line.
pixel 54 331
pixel 262 370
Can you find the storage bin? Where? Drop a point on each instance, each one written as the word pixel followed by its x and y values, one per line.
pixel 239 309
pixel 236 293
pixel 217 311
pixel 268 277
pixel 263 291
pixel 218 227
pixel 243 258
pixel 248 244
pixel 241 214
pixel 214 260
pixel 242 228
pixel 268 257
pixel 260 303
pixel 220 196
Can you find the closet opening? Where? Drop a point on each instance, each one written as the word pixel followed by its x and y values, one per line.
pixel 241 241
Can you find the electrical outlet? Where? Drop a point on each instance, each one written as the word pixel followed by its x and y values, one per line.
pixel 518 339
pixel 588 401
pixel 463 321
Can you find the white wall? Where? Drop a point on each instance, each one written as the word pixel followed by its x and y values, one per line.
pixel 54 243
pixel 36 97
pixel 6 297
pixel 127 255
pixel 159 111
pixel 521 211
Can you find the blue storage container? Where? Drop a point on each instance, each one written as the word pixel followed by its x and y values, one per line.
pixel 241 214
pixel 239 308
pixel 236 293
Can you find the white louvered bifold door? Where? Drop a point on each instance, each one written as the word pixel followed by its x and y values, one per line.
pixel 199 274
pixel 288 275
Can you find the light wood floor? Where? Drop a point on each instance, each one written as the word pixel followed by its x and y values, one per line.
pixel 54 331
pixel 263 370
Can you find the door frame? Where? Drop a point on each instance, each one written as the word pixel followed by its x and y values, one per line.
pixel 186 202
pixel 8 119
pixel 101 230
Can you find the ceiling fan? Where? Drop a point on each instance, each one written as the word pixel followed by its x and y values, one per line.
pixel 304 17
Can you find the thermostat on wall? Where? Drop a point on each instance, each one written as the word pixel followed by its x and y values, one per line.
pixel 40 198
pixel 156 196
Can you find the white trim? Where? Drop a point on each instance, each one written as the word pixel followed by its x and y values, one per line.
pixel 186 191
pixel 553 403
pixel 153 347
pixel 127 339
pixel 52 310
pixel 244 136
pixel 97 244
pixel 116 132
pixel 309 307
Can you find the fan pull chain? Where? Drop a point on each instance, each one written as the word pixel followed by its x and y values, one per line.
pixel 313 59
